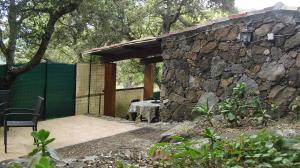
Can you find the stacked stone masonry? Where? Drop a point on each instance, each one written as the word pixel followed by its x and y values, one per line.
pixel 211 60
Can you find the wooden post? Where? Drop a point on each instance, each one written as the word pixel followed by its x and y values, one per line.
pixel 110 89
pixel 149 80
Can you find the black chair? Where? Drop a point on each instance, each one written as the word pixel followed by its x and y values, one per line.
pixel 34 114
pixel 4 99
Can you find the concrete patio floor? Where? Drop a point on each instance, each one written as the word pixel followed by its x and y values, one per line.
pixel 67 131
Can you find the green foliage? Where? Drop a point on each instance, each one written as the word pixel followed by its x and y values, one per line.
pixel 261 150
pixel 212 136
pixel 239 106
pixel 15 165
pixel 44 162
pixel 235 107
pixel 42 141
pixel 296 109
pixel 204 110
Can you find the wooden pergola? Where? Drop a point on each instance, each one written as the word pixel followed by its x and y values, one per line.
pixel 147 50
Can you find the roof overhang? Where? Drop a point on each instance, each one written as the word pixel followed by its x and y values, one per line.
pixel 146 49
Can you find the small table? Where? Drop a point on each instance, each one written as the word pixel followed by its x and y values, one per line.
pixel 146 108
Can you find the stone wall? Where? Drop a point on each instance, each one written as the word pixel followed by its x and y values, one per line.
pixel 209 61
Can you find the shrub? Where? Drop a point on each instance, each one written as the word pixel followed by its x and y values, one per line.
pixel 261 150
pixel 203 110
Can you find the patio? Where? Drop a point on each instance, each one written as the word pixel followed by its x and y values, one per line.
pixel 67 131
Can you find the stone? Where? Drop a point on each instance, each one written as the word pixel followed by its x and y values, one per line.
pixel 211 85
pixel 232 35
pixel 255 69
pixel 177 54
pixel 264 86
pixel 177 98
pixel 293 54
pixel 222 33
pixel 192 81
pixel 264 29
pixel 197 46
pixel 287 61
pixel 224 46
pixel 298 61
pixel 208 48
pixel 285 96
pixel 276 53
pixel 287 133
pixel 294 77
pixel 292 42
pixel 251 85
pixel 230 56
pixel 217 67
pixel 226 82
pixel 210 97
pixel 272 71
pixel 183 111
pixel 278 27
pixel 275 90
pixel 183 129
pixel 182 76
pixel 267 52
pixel 258 50
pixel 237 68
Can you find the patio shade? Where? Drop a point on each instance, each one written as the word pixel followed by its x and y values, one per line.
pixel 147 49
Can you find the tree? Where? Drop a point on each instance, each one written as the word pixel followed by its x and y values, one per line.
pixel 28 23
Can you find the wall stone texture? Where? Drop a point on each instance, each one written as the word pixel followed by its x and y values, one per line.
pixel 210 60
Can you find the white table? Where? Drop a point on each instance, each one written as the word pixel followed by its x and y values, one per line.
pixel 146 109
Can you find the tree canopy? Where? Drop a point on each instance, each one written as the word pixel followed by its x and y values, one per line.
pixel 28 25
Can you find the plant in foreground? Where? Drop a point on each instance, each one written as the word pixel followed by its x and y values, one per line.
pixel 262 150
pixel 204 110
pixel 41 142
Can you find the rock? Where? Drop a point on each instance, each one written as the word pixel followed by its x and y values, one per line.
pixel 210 97
pixel 232 35
pixel 226 82
pixel 264 29
pixel 287 61
pixel 258 50
pixel 298 61
pixel 278 27
pixel 285 96
pixel 211 85
pixel 293 54
pixel 272 71
pixel 251 85
pixel 177 98
pixel 197 46
pixel 217 67
pixel 267 52
pixel 237 68
pixel 182 111
pixel 183 129
pixel 275 90
pixel 208 48
pixel 292 42
pixel 294 78
pixel 276 53
pixel 287 133
pixel 224 46
pixel 222 33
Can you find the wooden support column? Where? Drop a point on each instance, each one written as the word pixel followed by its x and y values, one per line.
pixel 110 89
pixel 149 80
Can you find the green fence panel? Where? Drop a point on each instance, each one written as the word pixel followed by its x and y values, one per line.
pixel 27 87
pixel 2 70
pixel 60 90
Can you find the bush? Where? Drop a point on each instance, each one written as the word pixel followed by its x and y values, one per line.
pixel 261 150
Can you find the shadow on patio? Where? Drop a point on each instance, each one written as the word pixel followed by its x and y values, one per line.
pixel 67 131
